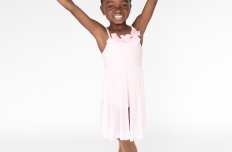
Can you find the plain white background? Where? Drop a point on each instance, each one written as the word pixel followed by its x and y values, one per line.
pixel 51 75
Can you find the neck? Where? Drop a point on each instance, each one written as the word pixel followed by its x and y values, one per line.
pixel 118 27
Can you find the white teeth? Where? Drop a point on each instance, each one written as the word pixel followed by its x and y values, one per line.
pixel 118 17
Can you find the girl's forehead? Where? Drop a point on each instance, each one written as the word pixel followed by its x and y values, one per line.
pixel 107 1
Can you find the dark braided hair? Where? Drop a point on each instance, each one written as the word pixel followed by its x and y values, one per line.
pixel 102 0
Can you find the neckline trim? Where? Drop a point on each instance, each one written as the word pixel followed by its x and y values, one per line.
pixel 121 36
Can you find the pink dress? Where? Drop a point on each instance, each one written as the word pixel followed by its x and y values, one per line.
pixel 123 106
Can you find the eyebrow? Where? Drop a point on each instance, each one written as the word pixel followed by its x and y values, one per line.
pixel 112 1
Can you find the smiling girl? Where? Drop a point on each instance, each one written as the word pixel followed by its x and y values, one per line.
pixel 123 113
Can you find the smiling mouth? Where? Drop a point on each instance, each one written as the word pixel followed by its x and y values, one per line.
pixel 118 16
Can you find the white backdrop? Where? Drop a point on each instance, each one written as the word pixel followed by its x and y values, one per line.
pixel 51 75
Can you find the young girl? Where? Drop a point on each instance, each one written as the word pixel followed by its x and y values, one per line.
pixel 123 113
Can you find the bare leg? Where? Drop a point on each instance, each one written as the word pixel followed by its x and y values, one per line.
pixel 125 145
pixel 120 148
pixel 133 146
pixel 128 144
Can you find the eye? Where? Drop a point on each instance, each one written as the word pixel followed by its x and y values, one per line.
pixel 124 5
pixel 111 6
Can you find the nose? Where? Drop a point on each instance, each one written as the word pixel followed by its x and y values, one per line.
pixel 118 9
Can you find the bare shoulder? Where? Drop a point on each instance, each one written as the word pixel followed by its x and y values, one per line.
pixel 101 37
pixel 137 27
pixel 100 30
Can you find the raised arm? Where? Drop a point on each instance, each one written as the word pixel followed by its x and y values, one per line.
pixel 143 19
pixel 91 25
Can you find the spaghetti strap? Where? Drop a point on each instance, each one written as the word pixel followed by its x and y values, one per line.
pixel 108 32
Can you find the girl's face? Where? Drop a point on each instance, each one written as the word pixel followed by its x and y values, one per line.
pixel 116 11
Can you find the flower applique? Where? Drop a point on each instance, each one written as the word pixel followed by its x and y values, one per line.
pixel 125 41
pixel 125 37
